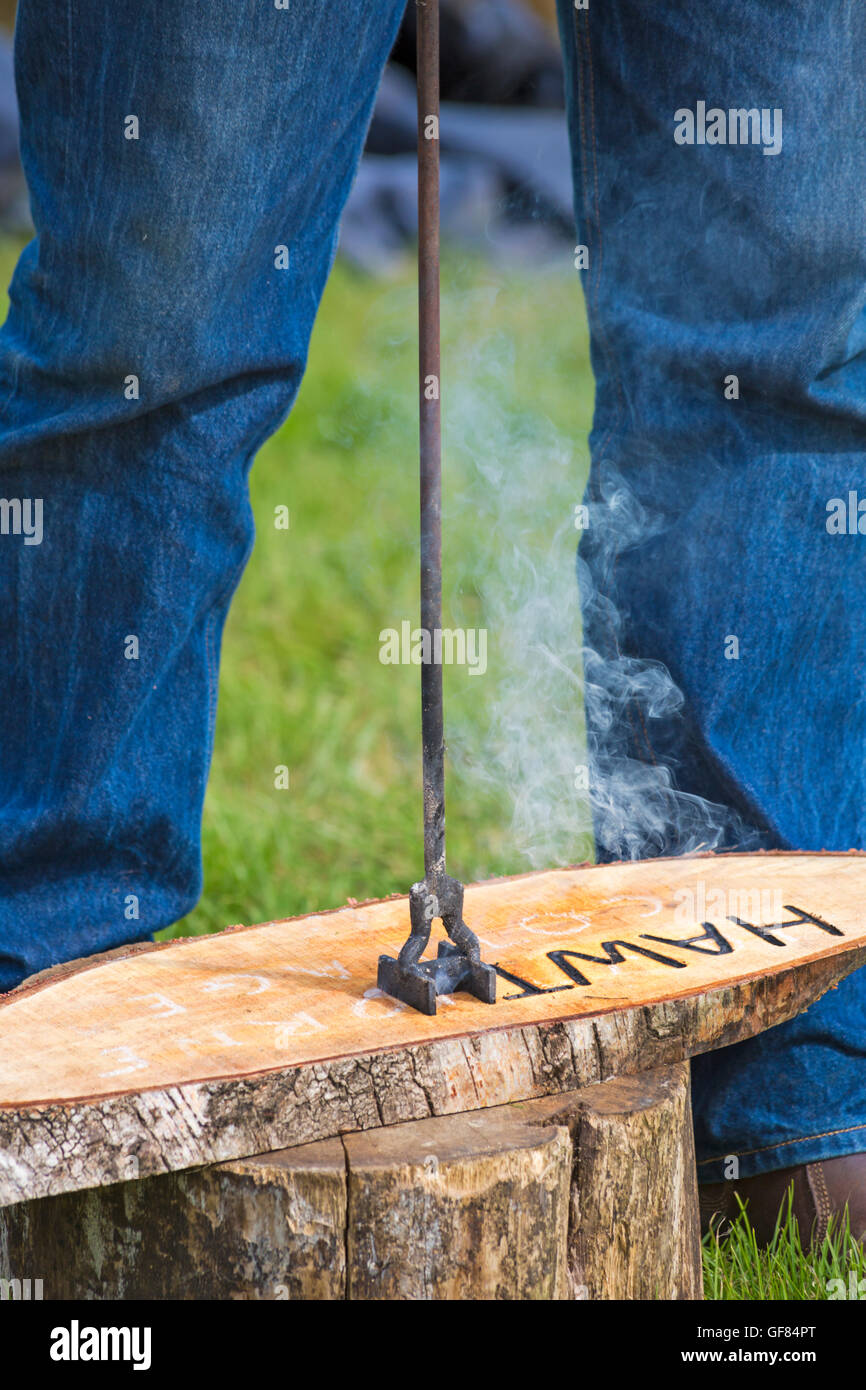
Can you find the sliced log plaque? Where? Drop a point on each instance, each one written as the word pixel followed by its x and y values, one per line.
pixel 261 1038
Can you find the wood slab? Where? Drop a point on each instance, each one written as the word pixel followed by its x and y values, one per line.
pixel 160 1058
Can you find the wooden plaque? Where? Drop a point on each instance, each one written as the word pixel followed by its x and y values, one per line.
pixel 164 1057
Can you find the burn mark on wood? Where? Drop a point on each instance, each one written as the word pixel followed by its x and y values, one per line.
pixel 613 956
pixel 722 947
pixel 802 918
pixel 527 988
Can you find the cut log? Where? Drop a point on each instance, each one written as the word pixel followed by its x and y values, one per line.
pixel 591 1194
pixel 272 1226
pixel 467 1206
pixel 167 1057
pixel 634 1229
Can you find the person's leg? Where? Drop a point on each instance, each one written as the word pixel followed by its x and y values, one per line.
pixel 187 166
pixel 725 289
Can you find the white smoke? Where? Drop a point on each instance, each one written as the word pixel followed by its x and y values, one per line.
pixel 521 481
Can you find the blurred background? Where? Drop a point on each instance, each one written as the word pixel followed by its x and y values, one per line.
pixel 302 685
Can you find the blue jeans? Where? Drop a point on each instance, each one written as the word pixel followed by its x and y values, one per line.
pixel 157 335
pixel 707 497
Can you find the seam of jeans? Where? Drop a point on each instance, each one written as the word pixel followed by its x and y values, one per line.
pixel 584 54
pixel 584 62
pixel 782 1144
pixel 67 43
pixel 210 647
pixel 212 677
pixel 70 31
pixel 817 1184
pixel 226 593
pixel 606 345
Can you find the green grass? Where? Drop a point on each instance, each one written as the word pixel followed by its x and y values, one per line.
pixel 301 682
pixel 735 1268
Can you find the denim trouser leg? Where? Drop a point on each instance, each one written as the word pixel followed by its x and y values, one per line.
pixel 708 497
pixel 157 334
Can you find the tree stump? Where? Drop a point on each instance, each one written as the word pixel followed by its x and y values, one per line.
pixel 634 1224
pixel 591 1194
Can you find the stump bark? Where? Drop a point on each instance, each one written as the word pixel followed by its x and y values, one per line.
pixel 634 1224
pixel 591 1194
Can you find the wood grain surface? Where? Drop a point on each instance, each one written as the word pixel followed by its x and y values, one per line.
pixel 163 1057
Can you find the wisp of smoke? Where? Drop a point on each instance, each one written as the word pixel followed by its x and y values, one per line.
pixel 557 737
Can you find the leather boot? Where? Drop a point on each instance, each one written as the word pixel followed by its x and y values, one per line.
pixel 821 1191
